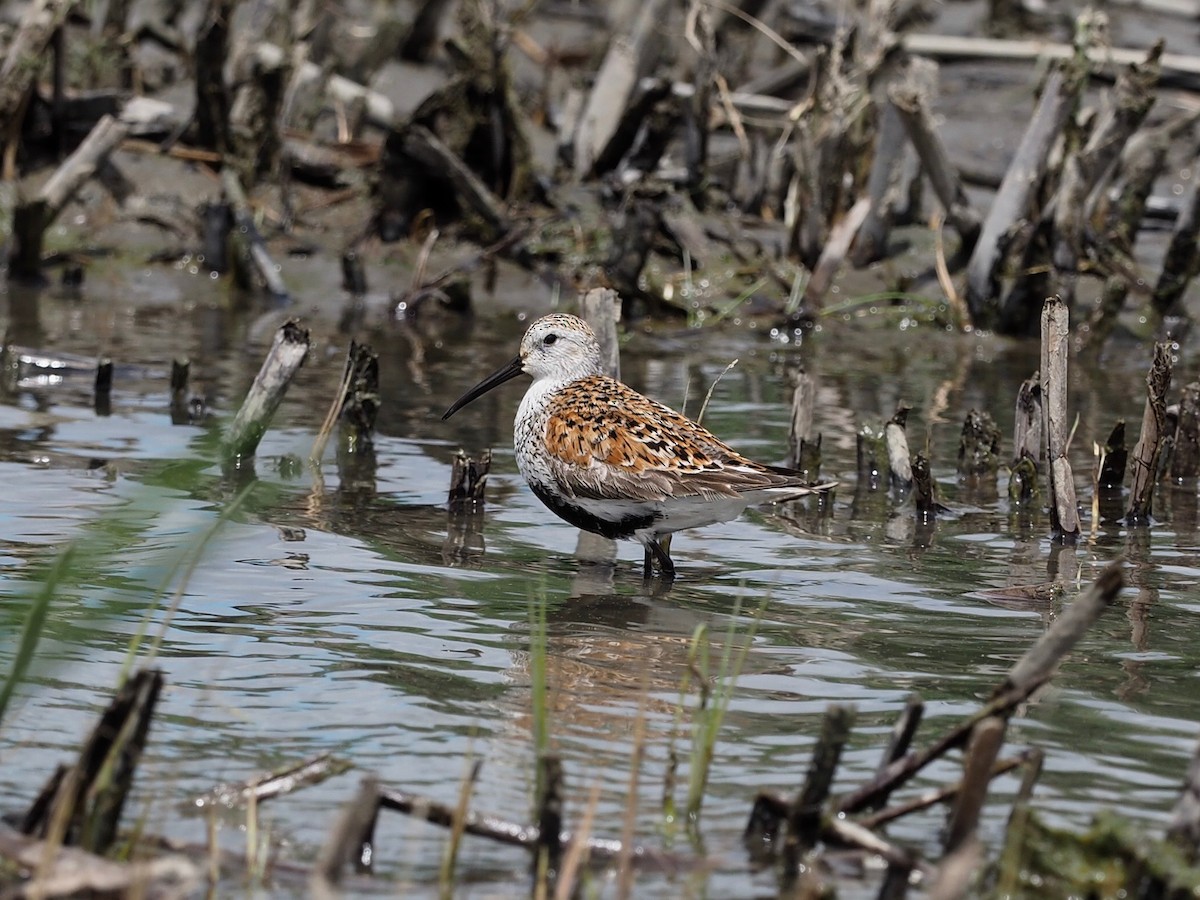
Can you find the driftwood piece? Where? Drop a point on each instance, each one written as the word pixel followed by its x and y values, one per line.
pixel 934 796
pixel 1012 202
pixel 288 351
pixel 1143 463
pixel 180 374
pixel 1064 514
pixel 338 90
pixel 870 451
pixel 31 219
pixel 354 274
pixel 421 40
pixel 833 252
pixel 804 452
pixel 253 246
pixel 102 388
pixel 918 123
pixel 1128 105
pixel 361 399
pixel 628 58
pixel 1185 460
pixel 550 812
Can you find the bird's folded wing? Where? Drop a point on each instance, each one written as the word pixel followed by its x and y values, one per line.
pixel 608 442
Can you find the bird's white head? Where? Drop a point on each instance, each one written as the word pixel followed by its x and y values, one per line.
pixel 560 347
pixel 557 349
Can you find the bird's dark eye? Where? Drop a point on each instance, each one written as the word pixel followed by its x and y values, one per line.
pixel 549 339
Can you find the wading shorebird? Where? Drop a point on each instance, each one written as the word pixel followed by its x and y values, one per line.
pixel 611 461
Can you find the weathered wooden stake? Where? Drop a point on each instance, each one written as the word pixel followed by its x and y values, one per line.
pixel 1064 515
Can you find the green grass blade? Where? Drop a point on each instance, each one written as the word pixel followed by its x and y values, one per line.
pixel 35 622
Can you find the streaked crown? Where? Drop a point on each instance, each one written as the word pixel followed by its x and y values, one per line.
pixel 560 347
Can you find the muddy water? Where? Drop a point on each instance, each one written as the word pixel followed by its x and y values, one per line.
pixel 373 639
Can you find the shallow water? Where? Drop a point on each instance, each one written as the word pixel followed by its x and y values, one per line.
pixel 372 639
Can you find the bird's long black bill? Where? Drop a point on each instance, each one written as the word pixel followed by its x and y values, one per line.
pixel 508 372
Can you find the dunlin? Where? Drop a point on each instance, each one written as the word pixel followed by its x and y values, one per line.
pixel 611 461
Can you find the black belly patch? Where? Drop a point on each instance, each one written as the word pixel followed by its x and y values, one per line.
pixel 609 528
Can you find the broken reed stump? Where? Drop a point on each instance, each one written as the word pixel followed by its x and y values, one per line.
pixel 284 359
pixel 805 813
pixel 924 490
pixel 1145 457
pixel 979 451
pixel 1064 514
pixel 102 398
pixel 804 453
pixel 180 404
pixel 85 800
pixel 468 481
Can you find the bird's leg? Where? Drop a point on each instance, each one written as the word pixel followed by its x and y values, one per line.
pixel 656 553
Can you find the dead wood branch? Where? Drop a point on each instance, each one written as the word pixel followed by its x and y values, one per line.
pixel 1012 202
pixel 1127 107
pixel 629 57
pixel 526 836
pixel 918 122
pixel 1177 69
pixel 274 784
